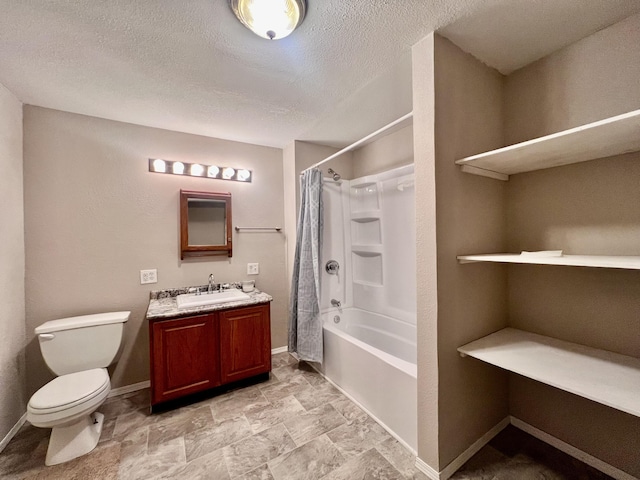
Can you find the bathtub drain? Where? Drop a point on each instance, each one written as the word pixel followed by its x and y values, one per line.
pixel 336 319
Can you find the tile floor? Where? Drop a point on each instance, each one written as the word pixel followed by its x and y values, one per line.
pixel 295 426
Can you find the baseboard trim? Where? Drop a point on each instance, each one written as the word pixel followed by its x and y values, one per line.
pixel 425 468
pixel 584 457
pixel 113 393
pixel 461 459
pixel 279 350
pixel 473 449
pixel 555 442
pixel 129 388
pixel 12 433
pixel 363 408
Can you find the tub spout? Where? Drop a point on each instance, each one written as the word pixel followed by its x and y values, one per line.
pixel 335 303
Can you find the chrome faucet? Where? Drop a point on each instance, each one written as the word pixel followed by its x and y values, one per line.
pixel 211 284
pixel 335 303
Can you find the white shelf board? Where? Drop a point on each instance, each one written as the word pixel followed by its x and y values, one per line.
pixel 601 261
pixel 365 216
pixel 604 377
pixel 367 249
pixel 363 184
pixel 368 284
pixel 605 138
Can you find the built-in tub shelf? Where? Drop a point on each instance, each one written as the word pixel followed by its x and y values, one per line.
pixel 604 377
pixel 365 216
pixel 364 183
pixel 604 138
pixel 601 261
pixel 367 249
pixel 367 284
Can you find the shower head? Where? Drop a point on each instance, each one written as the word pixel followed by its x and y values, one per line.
pixel 334 174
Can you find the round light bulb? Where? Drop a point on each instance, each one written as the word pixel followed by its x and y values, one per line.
pixel 213 171
pixel 178 168
pixel 228 173
pixel 159 166
pixel 243 175
pixel 196 170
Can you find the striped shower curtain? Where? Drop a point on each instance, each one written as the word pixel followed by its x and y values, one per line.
pixel 305 325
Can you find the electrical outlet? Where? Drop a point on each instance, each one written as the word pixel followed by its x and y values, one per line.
pixel 253 268
pixel 148 276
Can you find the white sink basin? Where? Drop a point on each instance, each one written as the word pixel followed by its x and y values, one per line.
pixel 194 300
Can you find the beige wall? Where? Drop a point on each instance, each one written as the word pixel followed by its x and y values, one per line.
pixel 12 340
pixel 471 218
pixel 588 208
pixel 95 216
pixel 391 151
pixel 308 154
pixel 290 182
pixel 426 249
pixel 592 79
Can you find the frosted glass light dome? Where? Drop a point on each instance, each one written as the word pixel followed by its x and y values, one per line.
pixel 271 19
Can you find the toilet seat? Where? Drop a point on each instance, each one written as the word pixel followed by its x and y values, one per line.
pixel 66 397
pixel 69 390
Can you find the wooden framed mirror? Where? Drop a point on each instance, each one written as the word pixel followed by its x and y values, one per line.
pixel 205 224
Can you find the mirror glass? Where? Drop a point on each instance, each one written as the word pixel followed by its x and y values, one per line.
pixel 205 223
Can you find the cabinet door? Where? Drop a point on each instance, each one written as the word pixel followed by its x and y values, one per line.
pixel 184 357
pixel 245 342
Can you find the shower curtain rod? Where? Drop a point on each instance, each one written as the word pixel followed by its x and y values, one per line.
pixel 361 141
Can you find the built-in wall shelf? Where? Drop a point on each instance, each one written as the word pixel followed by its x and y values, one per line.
pixel 604 138
pixel 604 377
pixel 363 183
pixel 600 261
pixel 365 216
pixel 367 249
pixel 367 284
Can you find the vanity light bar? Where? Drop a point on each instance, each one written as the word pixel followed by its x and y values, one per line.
pixel 157 165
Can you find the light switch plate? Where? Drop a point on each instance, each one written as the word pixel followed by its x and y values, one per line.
pixel 148 276
pixel 253 268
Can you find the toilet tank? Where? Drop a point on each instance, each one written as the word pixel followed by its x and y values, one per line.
pixel 81 343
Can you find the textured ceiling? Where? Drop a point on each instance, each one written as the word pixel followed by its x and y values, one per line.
pixel 190 66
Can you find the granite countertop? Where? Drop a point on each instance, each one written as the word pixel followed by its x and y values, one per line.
pixel 162 303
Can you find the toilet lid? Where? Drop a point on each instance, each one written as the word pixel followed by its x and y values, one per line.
pixel 69 390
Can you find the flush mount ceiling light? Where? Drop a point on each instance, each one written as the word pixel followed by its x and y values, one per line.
pixel 158 165
pixel 271 19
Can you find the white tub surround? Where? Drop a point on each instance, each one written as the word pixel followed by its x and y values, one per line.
pixel 393 338
pixel 372 358
pixel 370 339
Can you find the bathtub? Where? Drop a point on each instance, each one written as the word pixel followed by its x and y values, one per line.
pixel 372 358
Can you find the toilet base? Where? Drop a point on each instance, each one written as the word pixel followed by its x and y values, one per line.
pixel 72 441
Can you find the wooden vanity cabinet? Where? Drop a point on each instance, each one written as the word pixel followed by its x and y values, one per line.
pixel 198 353
pixel 245 343
pixel 184 357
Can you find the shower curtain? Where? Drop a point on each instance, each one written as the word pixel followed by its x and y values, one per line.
pixel 305 325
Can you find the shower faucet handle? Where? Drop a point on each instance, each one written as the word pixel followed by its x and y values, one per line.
pixel 332 267
pixel 335 303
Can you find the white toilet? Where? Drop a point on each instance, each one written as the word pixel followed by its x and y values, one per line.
pixel 78 350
